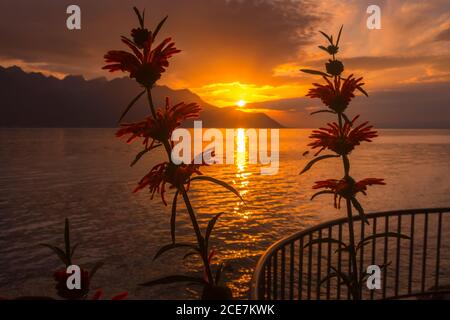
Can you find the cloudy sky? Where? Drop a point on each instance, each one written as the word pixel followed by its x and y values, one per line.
pixel 238 49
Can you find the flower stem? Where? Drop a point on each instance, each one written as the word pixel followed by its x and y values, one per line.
pixel 356 292
pixel 200 240
pixel 150 102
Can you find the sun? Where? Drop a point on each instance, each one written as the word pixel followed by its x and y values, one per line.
pixel 241 103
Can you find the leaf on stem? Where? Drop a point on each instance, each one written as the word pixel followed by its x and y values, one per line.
pixel 67 241
pixel 159 26
pixel 140 18
pixel 131 104
pixel 319 73
pixel 360 210
pixel 219 182
pixel 362 91
pixel 61 255
pixel 173 217
pixel 320 193
pixel 322 111
pixel 339 35
pixel 367 239
pixel 74 247
pixel 330 39
pixel 94 270
pixel 171 246
pixel 347 120
pixel 191 253
pixel 317 159
pixel 211 225
pixel 325 240
pixel 142 153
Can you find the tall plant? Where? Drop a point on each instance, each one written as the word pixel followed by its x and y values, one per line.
pixel 340 138
pixel 146 63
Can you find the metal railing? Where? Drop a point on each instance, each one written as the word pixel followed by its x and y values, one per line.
pixel 416 267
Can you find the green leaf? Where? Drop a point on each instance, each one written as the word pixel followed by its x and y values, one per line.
pixel 362 91
pixel 73 250
pixel 94 269
pixel 325 49
pixel 328 277
pixel 319 73
pixel 367 239
pixel 173 246
pixel 140 18
pixel 173 217
pixel 339 36
pixel 345 278
pixel 322 111
pixel 61 255
pixel 173 279
pixel 191 253
pixel 211 225
pixel 143 152
pixel 219 182
pixel 325 240
pixel 67 241
pixel 346 118
pixel 131 104
pixel 158 28
pixel 327 37
pixel 317 159
pixel 320 193
pixel 360 210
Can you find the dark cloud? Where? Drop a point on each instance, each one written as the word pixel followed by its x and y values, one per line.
pixel 423 105
pixel 443 35
pixel 254 34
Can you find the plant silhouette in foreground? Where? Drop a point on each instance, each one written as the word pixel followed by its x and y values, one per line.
pixel 61 276
pixel 146 64
pixel 341 138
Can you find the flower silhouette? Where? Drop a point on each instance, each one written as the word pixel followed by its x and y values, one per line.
pixel 346 188
pixel 161 127
pixel 336 95
pixel 61 277
pixel 341 140
pixel 167 172
pixel 147 66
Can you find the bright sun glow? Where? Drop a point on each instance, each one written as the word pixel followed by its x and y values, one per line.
pixel 241 103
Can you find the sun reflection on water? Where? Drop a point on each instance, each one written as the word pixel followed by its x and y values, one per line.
pixel 242 174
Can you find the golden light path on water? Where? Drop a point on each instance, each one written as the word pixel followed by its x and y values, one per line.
pixel 241 160
pixel 85 175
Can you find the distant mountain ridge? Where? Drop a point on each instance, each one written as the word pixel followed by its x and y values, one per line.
pixel 35 100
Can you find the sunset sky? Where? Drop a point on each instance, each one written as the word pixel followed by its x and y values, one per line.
pixel 238 50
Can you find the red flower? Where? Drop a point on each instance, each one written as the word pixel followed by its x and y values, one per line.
pixel 61 276
pixel 166 172
pixel 162 127
pixel 99 293
pixel 335 96
pixel 347 188
pixel 147 66
pixel 331 138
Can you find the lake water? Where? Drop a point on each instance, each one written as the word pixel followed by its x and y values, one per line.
pixel 84 174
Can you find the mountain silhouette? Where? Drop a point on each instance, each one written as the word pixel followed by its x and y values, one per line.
pixel 35 100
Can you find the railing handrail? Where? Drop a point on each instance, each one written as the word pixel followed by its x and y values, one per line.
pixel 256 278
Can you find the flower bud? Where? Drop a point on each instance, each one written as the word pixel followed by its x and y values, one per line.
pixel 334 67
pixel 139 36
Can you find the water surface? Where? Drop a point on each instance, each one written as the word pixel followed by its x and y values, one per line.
pixel 84 174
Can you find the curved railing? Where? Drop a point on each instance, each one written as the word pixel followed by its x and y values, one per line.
pixel 416 267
